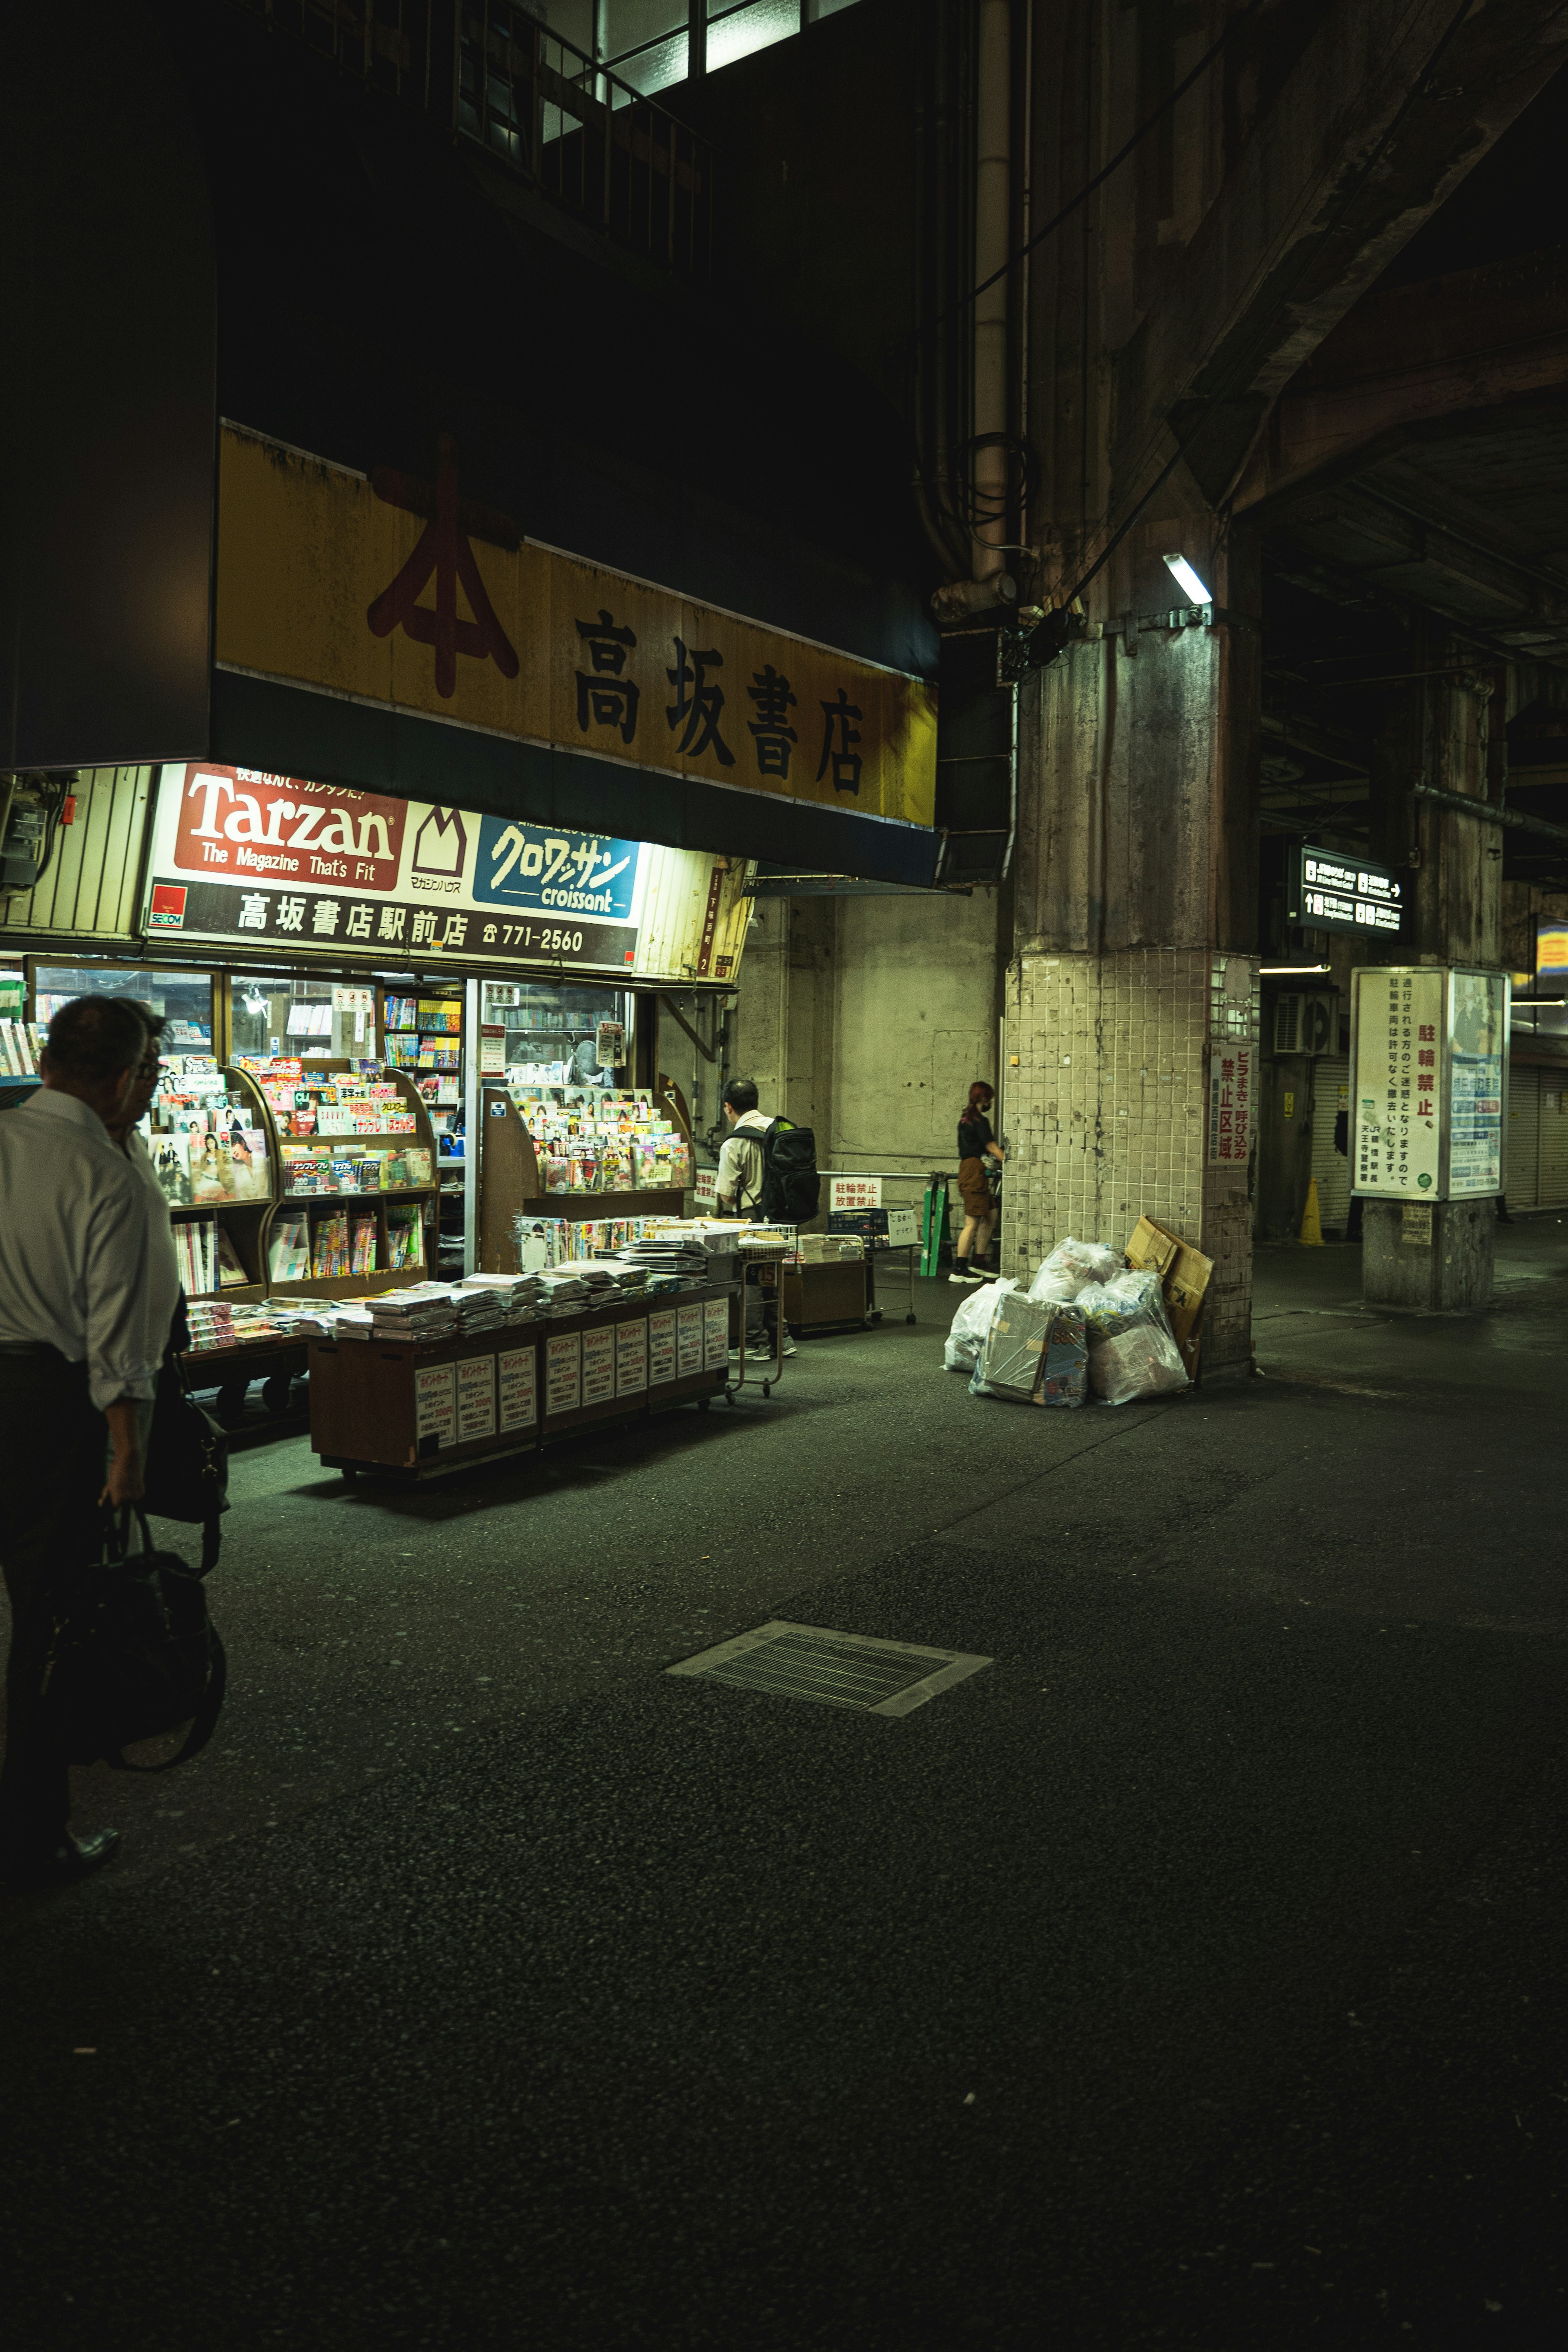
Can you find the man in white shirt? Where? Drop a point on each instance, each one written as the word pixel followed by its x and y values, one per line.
pixel 740 1181
pixel 88 1287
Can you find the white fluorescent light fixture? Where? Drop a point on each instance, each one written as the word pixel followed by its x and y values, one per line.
pixel 1185 578
pixel 1275 971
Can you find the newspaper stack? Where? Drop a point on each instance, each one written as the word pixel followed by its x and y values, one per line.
pixel 515 1296
pixel 423 1311
pixel 678 1255
pixel 563 1291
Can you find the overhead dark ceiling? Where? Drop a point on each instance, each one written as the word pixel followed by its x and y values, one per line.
pixel 1413 497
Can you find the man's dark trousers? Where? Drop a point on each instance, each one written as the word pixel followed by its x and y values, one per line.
pixel 52 1451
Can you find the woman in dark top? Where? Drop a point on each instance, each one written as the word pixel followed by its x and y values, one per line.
pixel 976 1144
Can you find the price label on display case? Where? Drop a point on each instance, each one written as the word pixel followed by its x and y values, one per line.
pixel 631 1358
pixel 661 1346
pixel 434 1407
pixel 599 1364
pixel 477 1397
pixel 517 1377
pixel 563 1372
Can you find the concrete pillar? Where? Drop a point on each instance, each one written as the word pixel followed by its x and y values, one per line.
pixel 1442 730
pixel 1428 1258
pixel 1133 993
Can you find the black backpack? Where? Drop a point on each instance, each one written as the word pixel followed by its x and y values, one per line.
pixel 791 1185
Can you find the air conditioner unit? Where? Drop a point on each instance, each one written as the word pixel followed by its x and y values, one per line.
pixel 1306 1023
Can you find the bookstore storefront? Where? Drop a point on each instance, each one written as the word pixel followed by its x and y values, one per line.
pixel 344 978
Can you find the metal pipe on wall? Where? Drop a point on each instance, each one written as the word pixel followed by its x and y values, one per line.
pixel 993 225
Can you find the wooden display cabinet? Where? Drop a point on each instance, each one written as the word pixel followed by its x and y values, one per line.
pixel 315 1205
pixel 510 1184
pixel 420 1409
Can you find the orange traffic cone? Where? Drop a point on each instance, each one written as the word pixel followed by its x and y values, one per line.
pixel 1311 1224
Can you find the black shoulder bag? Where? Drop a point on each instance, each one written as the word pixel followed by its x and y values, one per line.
pixel 136 1657
pixel 187 1460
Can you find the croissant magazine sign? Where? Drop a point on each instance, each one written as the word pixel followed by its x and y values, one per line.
pixel 401 594
pixel 250 859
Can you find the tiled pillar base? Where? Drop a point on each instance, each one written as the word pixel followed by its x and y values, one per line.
pixel 1110 1108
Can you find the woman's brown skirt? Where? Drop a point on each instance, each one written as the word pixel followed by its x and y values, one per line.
pixel 977 1192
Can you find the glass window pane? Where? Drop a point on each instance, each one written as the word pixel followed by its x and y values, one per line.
pixel 182 1000
pixel 551 1029
pixel 282 1015
pixel 573 19
pixel 629 22
pixel 737 34
pixel 653 69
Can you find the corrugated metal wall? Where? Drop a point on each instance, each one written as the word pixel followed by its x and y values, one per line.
pixel 1552 1189
pixel 1522 1168
pixel 675 903
pixel 89 891
pixel 1330 1169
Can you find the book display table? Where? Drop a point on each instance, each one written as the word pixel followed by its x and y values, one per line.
pixel 418 1410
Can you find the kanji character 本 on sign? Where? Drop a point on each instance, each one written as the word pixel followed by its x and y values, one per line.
pixel 442 550
pixel 699 708
pixel 837 736
pixel 770 730
pixel 605 694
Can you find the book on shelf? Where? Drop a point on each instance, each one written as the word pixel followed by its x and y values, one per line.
pixel 362 1251
pixel 405 1236
pixel 18 1049
pixel 329 1245
pixel 290 1259
pixel 229 1269
pixel 195 1252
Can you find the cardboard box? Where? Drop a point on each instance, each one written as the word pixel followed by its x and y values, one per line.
pixel 1183 1274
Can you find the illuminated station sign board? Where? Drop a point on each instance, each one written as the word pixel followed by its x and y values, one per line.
pixel 1331 893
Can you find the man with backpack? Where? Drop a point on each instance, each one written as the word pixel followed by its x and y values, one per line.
pixel 767 1169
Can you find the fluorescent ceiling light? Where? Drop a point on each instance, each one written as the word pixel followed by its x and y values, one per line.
pixel 1273 970
pixel 1181 572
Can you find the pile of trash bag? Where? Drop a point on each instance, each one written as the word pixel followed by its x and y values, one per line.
pixel 1088 1323
pixel 1033 1351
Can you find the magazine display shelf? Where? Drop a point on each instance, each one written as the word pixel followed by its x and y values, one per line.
pixel 512 1185
pixel 314 1205
pixel 243 1223
pixel 416 1410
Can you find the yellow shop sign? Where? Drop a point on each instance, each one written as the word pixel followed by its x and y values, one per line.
pixel 402 593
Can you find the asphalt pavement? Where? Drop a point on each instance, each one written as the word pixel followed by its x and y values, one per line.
pixel 1189 1976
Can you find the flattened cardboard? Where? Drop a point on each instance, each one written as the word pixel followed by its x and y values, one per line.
pixel 1184 1274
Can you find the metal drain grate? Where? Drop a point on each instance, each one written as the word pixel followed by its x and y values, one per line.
pixel 837 1669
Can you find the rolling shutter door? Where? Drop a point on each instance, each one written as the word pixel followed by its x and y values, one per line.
pixel 1552 1191
pixel 1330 1169
pixel 1521 1169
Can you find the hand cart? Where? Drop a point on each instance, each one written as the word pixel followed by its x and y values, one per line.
pixel 758 1250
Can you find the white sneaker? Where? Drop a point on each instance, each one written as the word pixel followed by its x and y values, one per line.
pixel 966 1278
pixel 789 1349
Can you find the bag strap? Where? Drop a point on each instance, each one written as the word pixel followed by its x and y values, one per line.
pixel 203 1724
